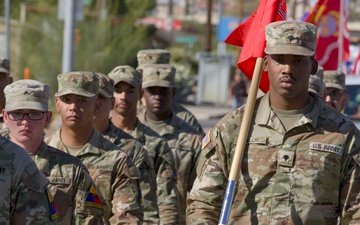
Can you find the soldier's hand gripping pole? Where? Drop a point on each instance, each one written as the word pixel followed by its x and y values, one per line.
pixel 241 142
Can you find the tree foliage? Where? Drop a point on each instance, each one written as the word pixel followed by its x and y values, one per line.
pixel 100 43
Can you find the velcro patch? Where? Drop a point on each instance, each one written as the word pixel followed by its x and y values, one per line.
pixel 326 147
pixel 59 180
pixel 206 140
pixel 93 199
pixel 259 140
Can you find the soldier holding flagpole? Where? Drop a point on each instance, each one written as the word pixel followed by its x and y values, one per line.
pixel 301 158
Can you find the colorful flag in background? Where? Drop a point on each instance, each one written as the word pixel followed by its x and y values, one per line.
pixel 251 36
pixel 356 69
pixel 326 16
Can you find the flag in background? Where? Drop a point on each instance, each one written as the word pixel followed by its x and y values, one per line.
pixel 250 35
pixel 356 69
pixel 326 16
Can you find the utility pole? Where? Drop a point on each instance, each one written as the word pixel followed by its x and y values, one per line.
pixel 171 6
pixel 208 27
pixel 68 43
pixel 7 27
pixel 293 9
pixel 240 10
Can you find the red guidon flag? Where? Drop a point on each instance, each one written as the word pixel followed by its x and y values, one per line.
pixel 250 35
pixel 326 16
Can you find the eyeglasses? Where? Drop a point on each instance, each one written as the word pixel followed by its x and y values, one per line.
pixel 335 95
pixel 16 116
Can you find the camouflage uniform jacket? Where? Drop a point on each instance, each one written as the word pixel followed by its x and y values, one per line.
pixel 144 163
pixel 24 197
pixel 187 116
pixel 165 171
pixel 306 175
pixel 181 112
pixel 185 144
pixel 70 185
pixel 115 176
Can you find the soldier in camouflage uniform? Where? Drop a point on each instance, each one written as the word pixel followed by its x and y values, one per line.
pixel 112 170
pixel 24 195
pixel 185 142
pixel 335 95
pixel 162 56
pixel 131 146
pixel 301 159
pixel 317 86
pixel 127 83
pixel 26 115
pixel 5 79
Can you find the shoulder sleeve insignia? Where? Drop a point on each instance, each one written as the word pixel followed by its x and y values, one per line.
pixel 52 207
pixel 92 199
pixel 206 140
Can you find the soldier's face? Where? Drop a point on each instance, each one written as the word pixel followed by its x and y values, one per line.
pixel 4 80
pixel 158 102
pixel 336 98
pixel 126 99
pixel 26 131
pixel 77 111
pixel 289 74
pixel 102 114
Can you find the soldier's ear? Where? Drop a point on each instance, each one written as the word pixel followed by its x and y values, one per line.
pixel 314 66
pixel 265 63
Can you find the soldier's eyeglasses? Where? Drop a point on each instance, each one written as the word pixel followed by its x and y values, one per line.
pixel 16 116
pixel 335 95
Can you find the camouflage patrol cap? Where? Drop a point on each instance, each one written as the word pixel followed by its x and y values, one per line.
pixel 27 94
pixel 291 37
pixel 106 85
pixel 126 74
pixel 334 79
pixel 320 72
pixel 83 83
pixel 4 66
pixel 316 85
pixel 158 75
pixel 153 56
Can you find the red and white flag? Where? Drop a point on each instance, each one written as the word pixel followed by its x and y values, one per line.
pixel 356 69
pixel 331 34
pixel 250 35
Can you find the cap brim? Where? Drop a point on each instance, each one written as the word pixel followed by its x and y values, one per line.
pixel 128 81
pixel 289 50
pixel 75 92
pixel 157 84
pixel 26 105
pixel 104 93
pixel 3 70
pixel 331 85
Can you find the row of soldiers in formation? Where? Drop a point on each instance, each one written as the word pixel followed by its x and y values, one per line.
pixel 133 167
pixel 301 164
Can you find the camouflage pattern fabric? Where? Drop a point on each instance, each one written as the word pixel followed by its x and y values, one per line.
pixel 185 144
pixel 144 163
pixel 334 79
pixel 180 112
pixel 291 37
pixel 153 56
pixel 316 85
pixel 164 164
pixel 306 175
pixel 70 185
pixel 115 176
pixel 25 198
